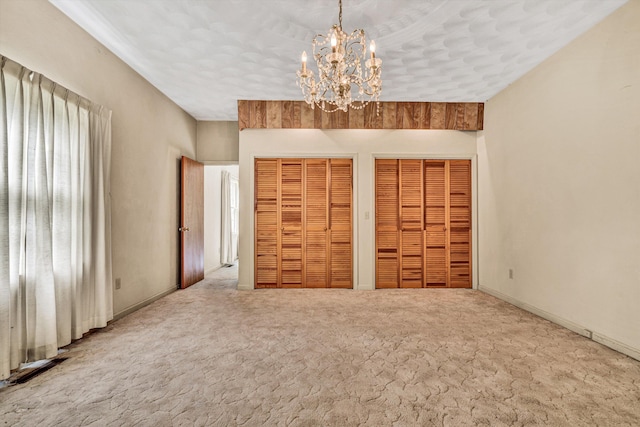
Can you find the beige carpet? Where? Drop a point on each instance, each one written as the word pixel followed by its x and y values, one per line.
pixel 212 355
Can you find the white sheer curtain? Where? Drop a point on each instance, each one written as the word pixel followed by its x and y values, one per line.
pixel 229 230
pixel 55 216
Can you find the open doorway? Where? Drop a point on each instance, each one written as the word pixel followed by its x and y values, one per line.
pixel 221 227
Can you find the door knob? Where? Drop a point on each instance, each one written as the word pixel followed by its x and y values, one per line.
pixel 183 229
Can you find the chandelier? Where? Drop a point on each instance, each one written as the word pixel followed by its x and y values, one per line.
pixel 342 81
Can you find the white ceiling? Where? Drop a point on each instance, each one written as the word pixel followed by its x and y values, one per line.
pixel 207 54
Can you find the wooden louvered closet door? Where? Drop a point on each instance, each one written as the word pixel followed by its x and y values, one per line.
pixel 387 221
pixel 267 231
pixel 316 223
pixel 290 223
pixel 423 223
pixel 459 224
pixel 303 223
pixel 435 218
pixel 411 226
pixel 340 230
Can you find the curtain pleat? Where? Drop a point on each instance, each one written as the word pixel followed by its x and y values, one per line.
pixel 228 232
pixel 55 217
pixel 226 246
pixel 5 233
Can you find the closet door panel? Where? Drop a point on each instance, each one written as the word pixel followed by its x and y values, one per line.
pixel 316 223
pixel 340 218
pixel 291 223
pixel 460 223
pixel 387 221
pixel 435 219
pixel 266 227
pixel 411 223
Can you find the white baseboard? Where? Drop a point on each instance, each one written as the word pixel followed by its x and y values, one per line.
pixel 616 345
pixel 572 326
pixel 141 304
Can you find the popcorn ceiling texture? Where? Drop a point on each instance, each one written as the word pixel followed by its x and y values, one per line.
pixel 211 355
pixel 207 54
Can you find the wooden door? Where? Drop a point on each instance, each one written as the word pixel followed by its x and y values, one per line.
pixel 191 222
pixel 423 223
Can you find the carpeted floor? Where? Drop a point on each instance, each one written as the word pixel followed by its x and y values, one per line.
pixel 214 356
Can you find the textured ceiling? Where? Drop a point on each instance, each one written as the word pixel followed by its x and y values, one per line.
pixel 207 54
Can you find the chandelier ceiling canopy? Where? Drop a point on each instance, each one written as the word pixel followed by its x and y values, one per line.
pixel 342 81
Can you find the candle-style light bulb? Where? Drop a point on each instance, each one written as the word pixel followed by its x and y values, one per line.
pixel 334 42
pixel 304 61
pixel 372 48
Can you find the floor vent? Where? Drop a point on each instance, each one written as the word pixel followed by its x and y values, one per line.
pixel 32 370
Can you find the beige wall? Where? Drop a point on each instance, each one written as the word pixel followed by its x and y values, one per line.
pixel 149 132
pixel 217 142
pixel 559 185
pixel 361 145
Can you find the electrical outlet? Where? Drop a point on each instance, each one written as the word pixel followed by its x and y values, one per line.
pixel 118 283
pixel 511 273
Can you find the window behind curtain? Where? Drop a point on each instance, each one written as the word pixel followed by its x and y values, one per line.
pixel 55 217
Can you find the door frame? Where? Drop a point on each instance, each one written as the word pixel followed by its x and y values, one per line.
pixel 474 204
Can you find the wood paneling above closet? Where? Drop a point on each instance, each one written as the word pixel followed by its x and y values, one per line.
pixel 392 115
